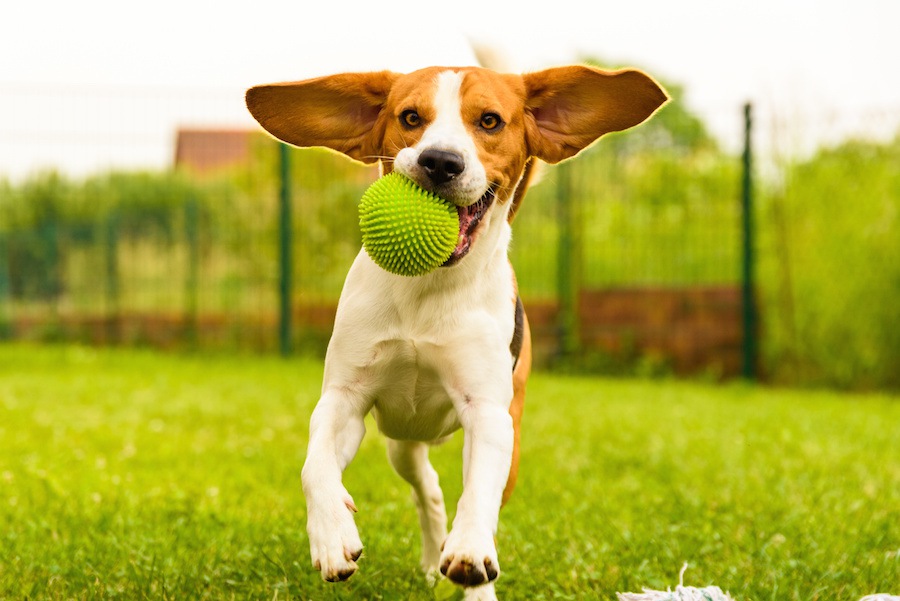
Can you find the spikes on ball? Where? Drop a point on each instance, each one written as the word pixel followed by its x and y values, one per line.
pixel 405 229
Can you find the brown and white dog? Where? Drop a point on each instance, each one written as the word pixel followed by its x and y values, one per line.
pixel 450 349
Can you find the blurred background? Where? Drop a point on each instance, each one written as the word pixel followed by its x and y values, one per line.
pixel 751 229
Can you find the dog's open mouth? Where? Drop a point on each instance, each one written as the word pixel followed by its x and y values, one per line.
pixel 469 219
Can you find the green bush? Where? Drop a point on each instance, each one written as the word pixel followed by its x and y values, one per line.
pixel 830 266
pixel 30 217
pixel 655 207
pixel 58 231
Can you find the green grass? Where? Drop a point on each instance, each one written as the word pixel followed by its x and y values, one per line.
pixel 128 474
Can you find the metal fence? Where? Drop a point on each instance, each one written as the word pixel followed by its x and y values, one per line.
pixel 632 258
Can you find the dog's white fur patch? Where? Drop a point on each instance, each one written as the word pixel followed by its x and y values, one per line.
pixel 448 132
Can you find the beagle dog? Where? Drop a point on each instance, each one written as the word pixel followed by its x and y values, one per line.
pixel 451 349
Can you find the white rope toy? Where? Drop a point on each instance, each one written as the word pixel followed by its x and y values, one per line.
pixel 710 593
pixel 681 593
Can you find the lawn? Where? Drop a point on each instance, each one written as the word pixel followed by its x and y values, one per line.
pixel 130 474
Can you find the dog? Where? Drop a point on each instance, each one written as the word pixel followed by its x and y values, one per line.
pixel 451 349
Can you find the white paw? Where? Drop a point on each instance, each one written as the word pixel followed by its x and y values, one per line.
pixel 469 558
pixel 334 542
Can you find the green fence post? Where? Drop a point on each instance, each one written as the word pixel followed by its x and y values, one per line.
pixel 568 271
pixel 192 234
pixel 5 321
pixel 111 267
pixel 49 233
pixel 748 299
pixel 285 263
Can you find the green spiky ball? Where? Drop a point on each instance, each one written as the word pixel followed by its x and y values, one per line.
pixel 405 229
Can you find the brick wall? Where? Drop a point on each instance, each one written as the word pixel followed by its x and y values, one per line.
pixel 688 330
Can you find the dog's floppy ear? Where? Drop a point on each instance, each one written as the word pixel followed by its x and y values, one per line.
pixel 338 111
pixel 567 108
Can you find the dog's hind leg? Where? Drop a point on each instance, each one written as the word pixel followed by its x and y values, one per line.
pixel 520 377
pixel 410 460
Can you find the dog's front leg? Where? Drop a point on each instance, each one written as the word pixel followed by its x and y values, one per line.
pixel 335 431
pixel 469 556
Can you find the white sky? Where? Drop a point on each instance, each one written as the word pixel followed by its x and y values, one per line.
pixel 93 84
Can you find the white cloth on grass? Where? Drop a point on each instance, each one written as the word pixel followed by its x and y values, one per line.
pixel 681 593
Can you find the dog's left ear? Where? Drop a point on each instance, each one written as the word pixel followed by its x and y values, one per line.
pixel 567 108
pixel 338 111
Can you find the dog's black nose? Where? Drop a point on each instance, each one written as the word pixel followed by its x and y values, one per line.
pixel 441 166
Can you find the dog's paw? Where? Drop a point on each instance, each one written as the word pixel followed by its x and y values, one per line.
pixel 469 559
pixel 334 542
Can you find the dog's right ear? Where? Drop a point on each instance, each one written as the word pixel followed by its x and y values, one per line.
pixel 338 111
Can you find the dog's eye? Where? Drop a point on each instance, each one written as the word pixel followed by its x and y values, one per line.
pixel 410 118
pixel 491 121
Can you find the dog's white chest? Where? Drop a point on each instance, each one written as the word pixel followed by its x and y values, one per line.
pixel 413 352
pixel 411 401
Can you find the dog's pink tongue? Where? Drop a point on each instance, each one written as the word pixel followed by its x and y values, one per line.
pixel 465 220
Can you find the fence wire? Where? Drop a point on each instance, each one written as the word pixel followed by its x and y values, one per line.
pixel 186 255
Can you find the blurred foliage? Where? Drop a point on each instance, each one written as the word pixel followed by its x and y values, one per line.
pixel 29 217
pixel 326 188
pixel 48 219
pixel 830 268
pixel 656 206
